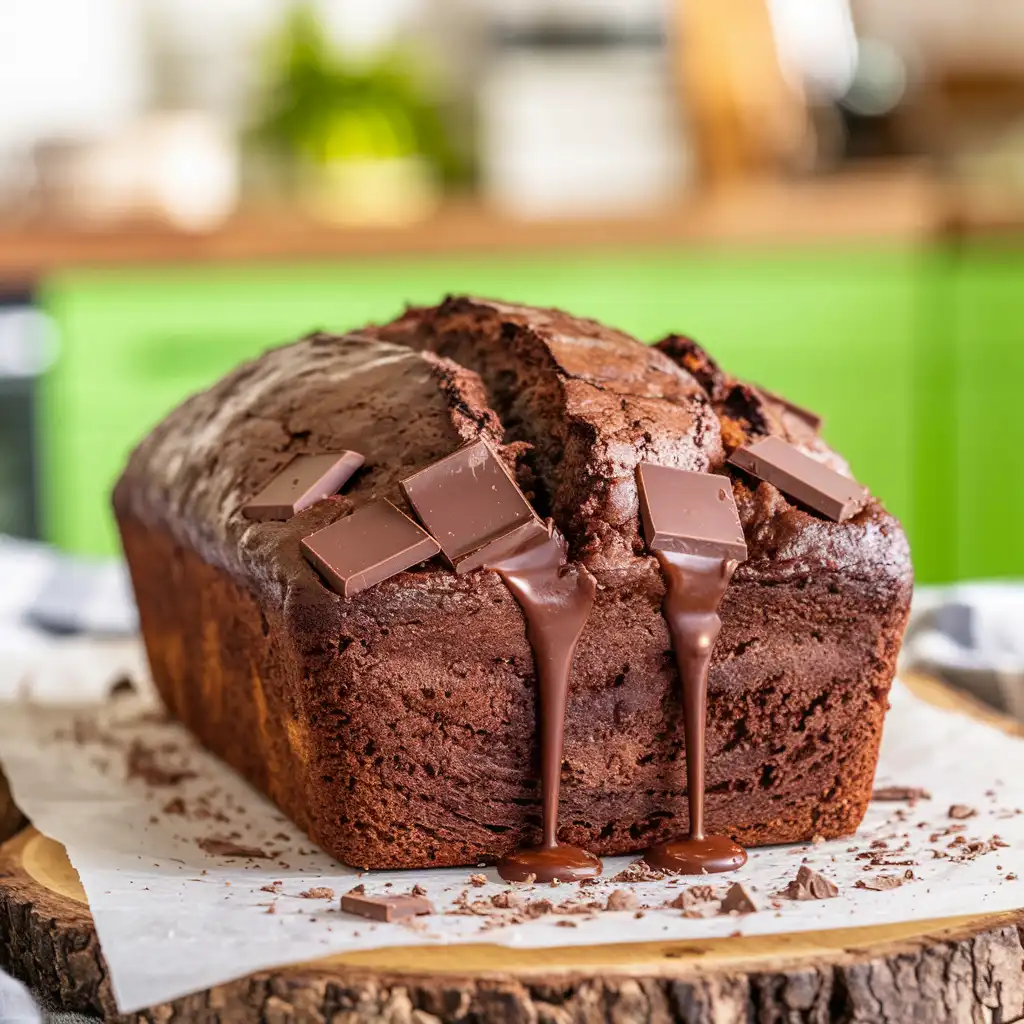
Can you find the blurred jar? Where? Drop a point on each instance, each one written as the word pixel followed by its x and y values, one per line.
pixel 580 121
pixel 176 168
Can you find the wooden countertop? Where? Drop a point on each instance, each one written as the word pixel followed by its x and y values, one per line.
pixel 901 206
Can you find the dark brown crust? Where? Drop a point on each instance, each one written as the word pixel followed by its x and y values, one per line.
pixel 967 973
pixel 397 728
pixel 11 818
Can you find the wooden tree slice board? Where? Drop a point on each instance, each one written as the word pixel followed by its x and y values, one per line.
pixel 956 970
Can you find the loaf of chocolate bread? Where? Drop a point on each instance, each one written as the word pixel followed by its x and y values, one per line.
pixel 398 726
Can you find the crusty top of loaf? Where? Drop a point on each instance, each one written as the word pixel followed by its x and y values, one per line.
pixel 573 406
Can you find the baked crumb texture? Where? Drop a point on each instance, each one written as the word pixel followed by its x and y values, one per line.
pixel 398 727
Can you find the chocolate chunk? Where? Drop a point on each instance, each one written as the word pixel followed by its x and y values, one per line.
pixel 693 896
pixel 691 513
pixel 384 908
pixel 812 419
pixel 306 480
pixel 366 547
pixel 809 885
pixel 621 899
pixel 960 811
pixel 892 794
pixel 802 478
pixel 472 507
pixel 737 901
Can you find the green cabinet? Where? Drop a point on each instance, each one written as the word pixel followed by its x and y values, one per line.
pixel 987 366
pixel 832 329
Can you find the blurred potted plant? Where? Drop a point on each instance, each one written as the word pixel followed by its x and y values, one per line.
pixel 360 143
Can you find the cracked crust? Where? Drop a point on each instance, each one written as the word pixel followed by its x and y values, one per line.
pixel 398 727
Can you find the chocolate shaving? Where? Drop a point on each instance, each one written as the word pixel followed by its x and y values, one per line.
pixel 961 811
pixel 880 883
pixel 892 794
pixel 218 847
pixel 638 871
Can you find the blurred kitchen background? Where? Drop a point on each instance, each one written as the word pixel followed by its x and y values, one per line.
pixel 828 194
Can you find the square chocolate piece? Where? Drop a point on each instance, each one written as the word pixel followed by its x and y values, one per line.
pixel 472 507
pixel 385 908
pixel 306 480
pixel 801 477
pixel 366 547
pixel 692 513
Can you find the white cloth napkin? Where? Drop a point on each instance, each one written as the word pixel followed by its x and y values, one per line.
pixel 972 636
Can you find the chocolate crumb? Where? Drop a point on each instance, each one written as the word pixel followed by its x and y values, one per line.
pixel 477 880
pixel 1011 877
pixel 809 885
pixel 320 892
pixel 621 899
pixel 122 686
pixel 639 914
pixel 960 811
pixel 175 806
pixel 417 890
pixel 737 901
pixel 140 763
pixel 565 924
pixel 272 909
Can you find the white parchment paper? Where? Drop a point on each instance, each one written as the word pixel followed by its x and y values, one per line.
pixel 173 918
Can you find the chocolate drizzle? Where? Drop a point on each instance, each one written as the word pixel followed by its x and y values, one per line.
pixel 556 600
pixel 695 585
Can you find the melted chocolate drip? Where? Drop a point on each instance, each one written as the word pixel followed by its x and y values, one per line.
pixel 696 585
pixel 556 600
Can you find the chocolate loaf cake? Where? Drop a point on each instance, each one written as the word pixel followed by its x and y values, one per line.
pixel 397 726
